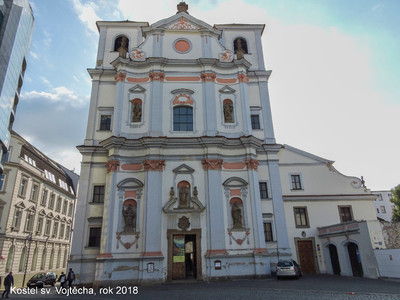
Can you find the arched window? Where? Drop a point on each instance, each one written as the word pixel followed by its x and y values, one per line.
pixel 183 118
pixel 10 259
pixel 34 259
pixel 118 42
pixel 43 262
pixel 240 43
pixel 22 260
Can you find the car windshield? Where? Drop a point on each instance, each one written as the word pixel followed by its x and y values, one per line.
pixel 37 276
pixel 285 264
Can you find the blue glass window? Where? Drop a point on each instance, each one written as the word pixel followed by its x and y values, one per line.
pixel 183 118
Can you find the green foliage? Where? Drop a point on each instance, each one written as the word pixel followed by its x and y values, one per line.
pixel 396 202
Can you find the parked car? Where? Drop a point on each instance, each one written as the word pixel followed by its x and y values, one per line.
pixel 288 268
pixel 41 279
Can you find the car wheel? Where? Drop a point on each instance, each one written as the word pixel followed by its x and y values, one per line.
pixel 278 277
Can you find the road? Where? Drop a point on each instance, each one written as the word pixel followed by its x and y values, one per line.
pixel 319 287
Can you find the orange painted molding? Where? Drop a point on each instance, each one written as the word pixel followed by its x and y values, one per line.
pixel 156 253
pixel 212 164
pixel 260 250
pixel 182 78
pixel 120 77
pixel 154 165
pixel 226 80
pixel 130 194
pixel 235 192
pixel 102 255
pixel 112 166
pixel 139 80
pixel 132 167
pixel 208 77
pixel 234 166
pixel 243 78
pixel 156 76
pixel 252 164
pixel 218 251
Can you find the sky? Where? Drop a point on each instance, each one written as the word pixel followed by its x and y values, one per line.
pixel 334 88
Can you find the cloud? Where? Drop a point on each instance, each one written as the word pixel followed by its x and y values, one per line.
pixel 87 14
pixel 59 94
pixel 34 55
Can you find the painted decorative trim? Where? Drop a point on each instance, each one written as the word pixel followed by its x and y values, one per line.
pixel 208 77
pixel 112 166
pixel 155 253
pixel 182 46
pixel 132 167
pixel 138 80
pixel 260 250
pixel 243 78
pixel 156 76
pixel 137 54
pixel 183 24
pixel 216 251
pixel 226 56
pixel 239 241
pixel 212 164
pixel 104 255
pixel 234 166
pixel 182 78
pixel 182 99
pixel 120 77
pixel 154 165
pixel 252 164
pixel 127 245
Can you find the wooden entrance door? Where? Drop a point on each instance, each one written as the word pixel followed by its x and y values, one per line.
pixel 306 256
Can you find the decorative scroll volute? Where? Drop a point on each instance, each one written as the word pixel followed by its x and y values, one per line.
pixel 212 164
pixel 252 164
pixel 154 165
pixel 112 166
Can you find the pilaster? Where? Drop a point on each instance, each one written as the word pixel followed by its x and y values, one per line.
pixel 244 94
pixel 118 104
pixel 266 113
pixel 210 114
pixel 156 103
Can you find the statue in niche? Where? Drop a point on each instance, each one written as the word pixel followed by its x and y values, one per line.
pixel 239 49
pixel 136 115
pixel 236 217
pixel 195 192
pixel 184 197
pixel 171 193
pixel 129 214
pixel 228 112
pixel 123 49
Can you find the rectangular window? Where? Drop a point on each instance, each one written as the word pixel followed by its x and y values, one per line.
pixel 383 209
pixel 29 222
pixel 39 226
pixel 62 229
pixel 64 209
pixel 47 227
pixel 105 122
pixel 345 214
pixel 2 181
pixel 300 217
pixel 94 236
pixel 296 182
pixel 263 190
pixel 34 192
pixel 51 201
pixel 55 229
pixel 22 187
pixel 70 210
pixel 268 232
pixel 255 122
pixel 43 201
pixel 58 205
pixel 17 218
pixel 98 194
pixel 67 232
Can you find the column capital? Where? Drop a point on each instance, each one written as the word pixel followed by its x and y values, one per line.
pixel 154 165
pixel 243 78
pixel 120 77
pixel 208 77
pixel 252 164
pixel 112 165
pixel 157 76
pixel 212 164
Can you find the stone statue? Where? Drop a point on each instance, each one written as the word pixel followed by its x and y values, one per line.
pixel 183 197
pixel 123 49
pixel 129 214
pixel 236 217
pixel 136 112
pixel 228 112
pixel 239 50
pixel 195 192
pixel 171 193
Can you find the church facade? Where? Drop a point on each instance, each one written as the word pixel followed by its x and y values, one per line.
pixel 180 176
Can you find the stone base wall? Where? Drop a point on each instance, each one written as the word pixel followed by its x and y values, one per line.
pixel 391 234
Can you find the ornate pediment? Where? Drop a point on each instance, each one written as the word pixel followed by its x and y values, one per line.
pixel 227 90
pixel 174 206
pixel 42 212
pixel 20 205
pixel 183 169
pixel 182 24
pixel 137 89
pixel 32 208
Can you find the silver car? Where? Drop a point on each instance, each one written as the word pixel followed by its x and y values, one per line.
pixel 288 268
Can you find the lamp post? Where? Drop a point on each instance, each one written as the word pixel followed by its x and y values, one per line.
pixel 29 238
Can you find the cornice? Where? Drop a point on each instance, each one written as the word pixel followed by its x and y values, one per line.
pixel 334 197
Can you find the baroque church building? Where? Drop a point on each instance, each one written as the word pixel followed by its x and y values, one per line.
pixel 180 172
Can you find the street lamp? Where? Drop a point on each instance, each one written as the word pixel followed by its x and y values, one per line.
pixel 29 238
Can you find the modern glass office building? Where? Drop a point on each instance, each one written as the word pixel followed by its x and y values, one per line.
pixel 16 29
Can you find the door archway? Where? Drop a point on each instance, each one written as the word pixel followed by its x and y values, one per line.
pixel 334 259
pixel 355 259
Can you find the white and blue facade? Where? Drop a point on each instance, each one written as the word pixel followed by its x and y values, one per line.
pixel 179 130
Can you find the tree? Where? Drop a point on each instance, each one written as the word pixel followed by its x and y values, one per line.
pixel 396 202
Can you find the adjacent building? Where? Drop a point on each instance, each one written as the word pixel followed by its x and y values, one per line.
pixel 181 176
pixel 383 205
pixel 16 29
pixel 37 204
pixel 331 220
